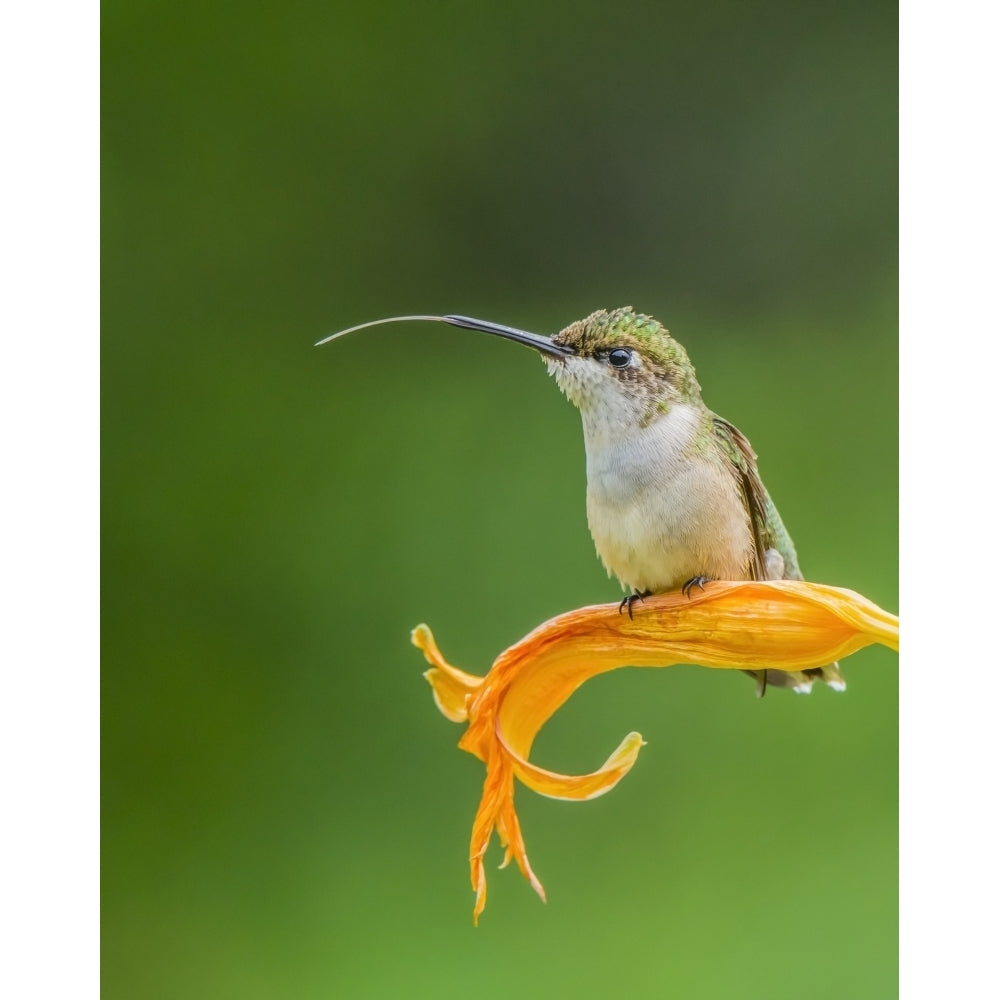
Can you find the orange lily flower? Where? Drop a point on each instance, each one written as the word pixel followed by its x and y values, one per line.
pixel 786 625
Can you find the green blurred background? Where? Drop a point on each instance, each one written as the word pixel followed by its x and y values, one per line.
pixel 284 811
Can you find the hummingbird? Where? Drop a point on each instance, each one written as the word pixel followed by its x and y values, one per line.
pixel 674 498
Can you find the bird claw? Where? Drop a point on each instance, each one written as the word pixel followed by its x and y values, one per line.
pixel 695 581
pixel 630 599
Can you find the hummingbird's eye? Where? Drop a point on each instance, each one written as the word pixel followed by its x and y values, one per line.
pixel 620 357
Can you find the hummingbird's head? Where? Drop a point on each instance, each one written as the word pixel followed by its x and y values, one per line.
pixel 621 369
pixel 624 365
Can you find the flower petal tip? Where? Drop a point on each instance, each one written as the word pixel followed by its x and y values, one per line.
pixel 452 687
pixel 539 888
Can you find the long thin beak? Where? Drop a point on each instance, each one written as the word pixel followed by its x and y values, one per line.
pixel 545 345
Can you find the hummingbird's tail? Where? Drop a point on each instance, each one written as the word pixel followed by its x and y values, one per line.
pixel 779 562
pixel 800 681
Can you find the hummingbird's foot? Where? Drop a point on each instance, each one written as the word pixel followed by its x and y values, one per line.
pixel 695 581
pixel 630 599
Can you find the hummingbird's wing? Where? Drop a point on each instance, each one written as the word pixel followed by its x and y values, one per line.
pixel 737 449
pixel 769 538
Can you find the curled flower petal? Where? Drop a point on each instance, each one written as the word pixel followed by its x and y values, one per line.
pixel 785 625
pixel 577 788
pixel 452 687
